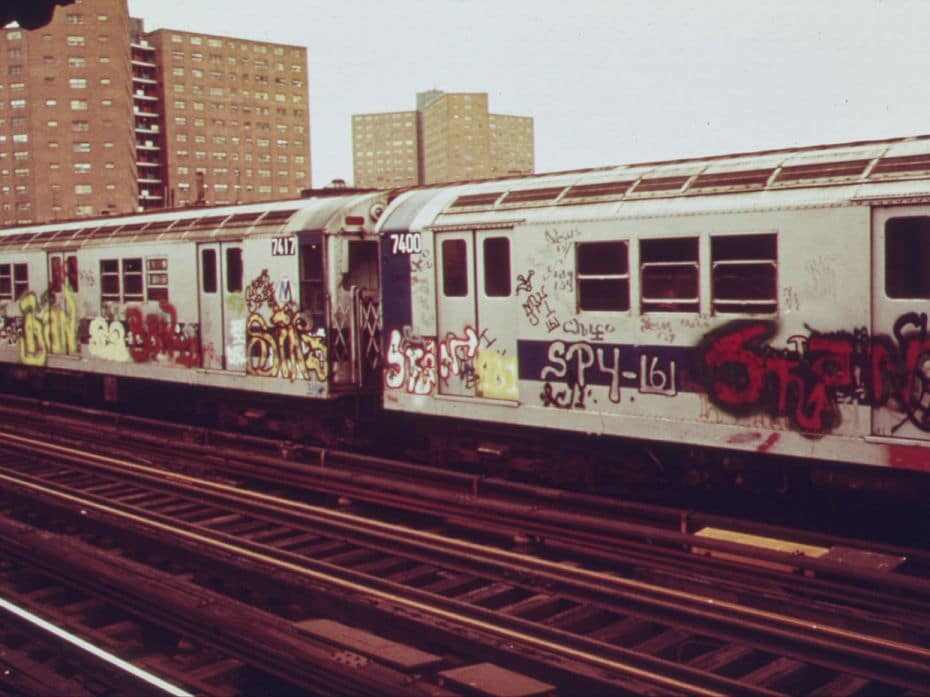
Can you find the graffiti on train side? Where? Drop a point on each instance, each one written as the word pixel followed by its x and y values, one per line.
pixel 49 326
pixel 536 307
pixel 11 330
pixel 281 341
pixel 153 337
pixel 808 379
pixel 417 365
pixel 157 336
pixel 107 340
pixel 573 369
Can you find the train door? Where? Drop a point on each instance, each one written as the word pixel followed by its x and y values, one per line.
pixel 222 310
pixel 476 315
pixel 355 321
pixel 899 381
pixel 234 307
pixel 62 333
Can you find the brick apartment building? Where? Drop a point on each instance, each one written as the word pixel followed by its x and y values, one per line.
pixel 99 117
pixel 450 137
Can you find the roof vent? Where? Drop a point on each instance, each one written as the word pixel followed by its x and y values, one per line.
pixel 849 169
pixel 905 165
pixel 602 189
pixel 533 195
pixel 732 181
pixel 660 184
pixel 469 200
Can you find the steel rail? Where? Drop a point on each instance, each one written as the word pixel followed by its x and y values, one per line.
pixel 592 578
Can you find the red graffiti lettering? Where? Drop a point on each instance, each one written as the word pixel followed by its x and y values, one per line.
pixel 158 336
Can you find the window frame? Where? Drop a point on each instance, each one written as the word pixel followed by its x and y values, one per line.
pixel 764 259
pixel 669 303
pixel 596 279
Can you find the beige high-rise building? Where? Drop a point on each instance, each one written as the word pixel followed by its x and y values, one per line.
pixel 236 119
pixel 385 149
pixel 98 117
pixel 450 137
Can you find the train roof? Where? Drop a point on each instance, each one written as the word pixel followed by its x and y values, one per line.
pixel 319 213
pixel 892 170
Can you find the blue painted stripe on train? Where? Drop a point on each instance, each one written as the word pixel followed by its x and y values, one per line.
pixel 534 356
pixel 396 294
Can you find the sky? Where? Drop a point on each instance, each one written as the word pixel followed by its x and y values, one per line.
pixel 608 82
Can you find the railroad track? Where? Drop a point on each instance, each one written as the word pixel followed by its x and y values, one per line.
pixel 596 625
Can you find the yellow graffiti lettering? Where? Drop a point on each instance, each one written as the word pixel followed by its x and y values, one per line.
pixel 48 329
pixel 32 346
pixel 285 348
pixel 497 376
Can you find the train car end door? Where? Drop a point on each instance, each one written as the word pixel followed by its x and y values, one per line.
pixel 899 383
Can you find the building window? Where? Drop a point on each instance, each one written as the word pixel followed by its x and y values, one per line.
pixel 77 62
pixel 602 276
pixel 78 105
pixel 76 41
pixel 83 189
pixel 77 83
pixel 669 275
pixel 74 18
pixel 744 273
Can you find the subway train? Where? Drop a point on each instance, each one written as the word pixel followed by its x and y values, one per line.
pixel 766 307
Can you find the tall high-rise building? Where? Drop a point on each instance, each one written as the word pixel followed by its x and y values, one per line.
pixel 99 117
pixel 236 118
pixel 450 137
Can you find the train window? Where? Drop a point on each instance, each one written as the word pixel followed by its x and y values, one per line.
pixel 156 278
pixel 363 266
pixel 312 297
pixel 454 268
pixel 907 243
pixel 71 272
pixel 6 282
pixel 109 280
pixel 208 270
pixel 132 280
pixel 234 270
pixel 743 273
pixel 497 267
pixel 56 275
pixel 20 280
pixel 602 273
pixel 669 275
